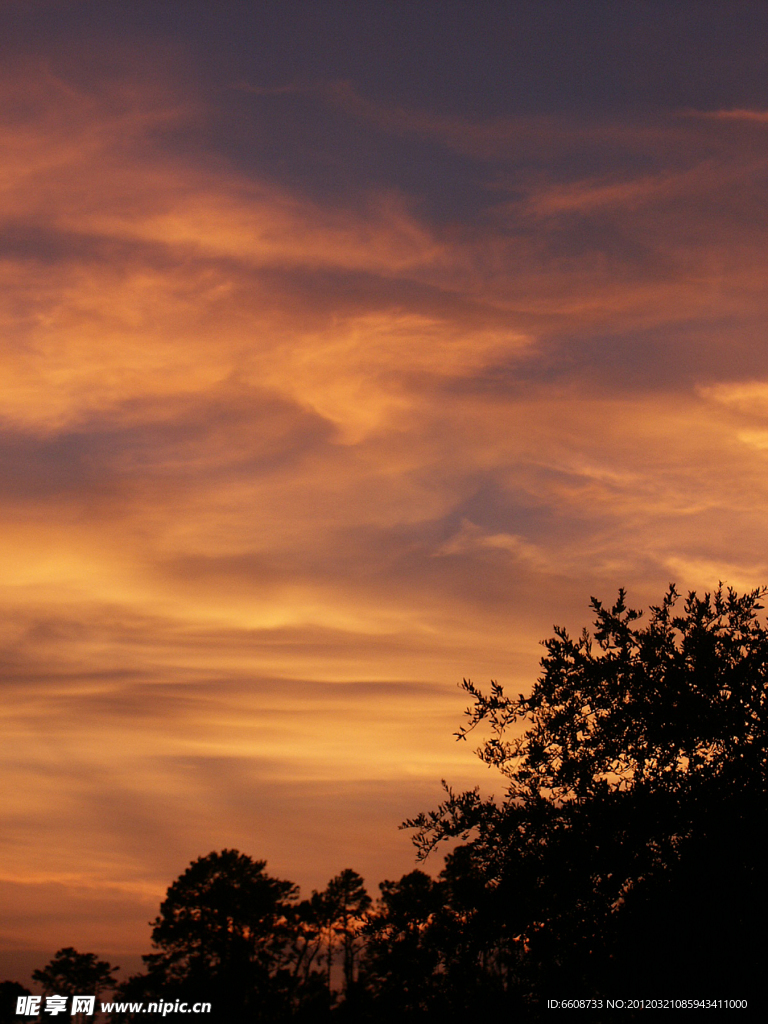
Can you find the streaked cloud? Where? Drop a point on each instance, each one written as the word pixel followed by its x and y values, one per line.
pixel 733 115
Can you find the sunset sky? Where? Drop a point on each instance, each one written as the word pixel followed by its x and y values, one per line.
pixel 346 347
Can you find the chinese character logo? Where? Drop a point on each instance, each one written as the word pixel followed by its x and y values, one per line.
pixel 28 1006
pixel 55 1004
pixel 83 1004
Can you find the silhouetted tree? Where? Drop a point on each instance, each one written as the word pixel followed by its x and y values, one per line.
pixel 320 910
pixel 72 973
pixel 10 991
pixel 434 949
pixel 348 901
pixel 402 962
pixel 629 843
pixel 306 937
pixel 225 934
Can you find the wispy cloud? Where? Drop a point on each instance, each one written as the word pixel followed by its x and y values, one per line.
pixel 732 115
pixel 278 468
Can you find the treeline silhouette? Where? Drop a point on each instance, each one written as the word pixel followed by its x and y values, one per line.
pixel 624 860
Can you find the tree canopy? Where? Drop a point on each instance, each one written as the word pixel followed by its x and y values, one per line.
pixel 223 909
pixel 223 934
pixel 630 833
pixel 233 935
pixel 70 973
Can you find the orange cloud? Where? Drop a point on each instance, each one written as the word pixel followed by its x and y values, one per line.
pixel 277 470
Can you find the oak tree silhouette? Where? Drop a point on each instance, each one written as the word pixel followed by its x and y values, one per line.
pixel 629 842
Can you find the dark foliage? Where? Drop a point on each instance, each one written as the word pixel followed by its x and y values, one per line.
pixel 73 973
pixel 345 902
pixel 401 961
pixel 629 844
pixel 230 934
pixel 10 991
